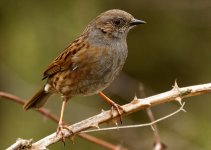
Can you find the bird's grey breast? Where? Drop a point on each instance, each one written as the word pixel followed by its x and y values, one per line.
pixel 114 53
pixel 119 55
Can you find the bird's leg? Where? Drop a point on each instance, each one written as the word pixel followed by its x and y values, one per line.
pixel 61 126
pixel 113 105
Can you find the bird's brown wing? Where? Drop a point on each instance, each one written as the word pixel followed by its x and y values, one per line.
pixel 64 60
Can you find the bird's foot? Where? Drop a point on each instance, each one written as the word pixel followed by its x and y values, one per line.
pixel 118 108
pixel 60 130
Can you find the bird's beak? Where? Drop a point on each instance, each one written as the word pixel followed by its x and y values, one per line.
pixel 136 22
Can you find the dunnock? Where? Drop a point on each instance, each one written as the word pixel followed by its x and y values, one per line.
pixel 90 63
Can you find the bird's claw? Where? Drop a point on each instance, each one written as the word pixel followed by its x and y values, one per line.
pixel 60 130
pixel 118 108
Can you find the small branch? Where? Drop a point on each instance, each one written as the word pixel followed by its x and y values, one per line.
pixel 11 97
pixel 102 142
pixel 138 125
pixel 154 126
pixel 158 145
pixel 54 118
pixel 137 104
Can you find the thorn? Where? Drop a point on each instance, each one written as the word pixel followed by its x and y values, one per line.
pixel 114 120
pixel 135 97
pixel 179 99
pixel 175 86
pixel 177 89
pixel 175 83
pixel 134 101
pixel 95 125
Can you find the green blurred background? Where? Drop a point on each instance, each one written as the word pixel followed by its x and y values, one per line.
pixel 174 44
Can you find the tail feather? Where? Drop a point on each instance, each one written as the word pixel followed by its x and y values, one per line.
pixel 38 100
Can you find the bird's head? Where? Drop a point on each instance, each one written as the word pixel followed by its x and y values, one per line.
pixel 116 23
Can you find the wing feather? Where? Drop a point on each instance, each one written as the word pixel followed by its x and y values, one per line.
pixel 64 60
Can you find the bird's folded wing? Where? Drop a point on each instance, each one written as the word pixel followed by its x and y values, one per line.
pixel 65 60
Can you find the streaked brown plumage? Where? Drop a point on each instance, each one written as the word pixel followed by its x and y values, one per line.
pixel 91 62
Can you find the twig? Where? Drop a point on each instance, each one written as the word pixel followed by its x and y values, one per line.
pixel 137 104
pixel 54 118
pixel 138 125
pixel 154 126
pixel 157 145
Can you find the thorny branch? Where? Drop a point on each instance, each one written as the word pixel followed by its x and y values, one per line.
pixel 137 104
pixel 21 143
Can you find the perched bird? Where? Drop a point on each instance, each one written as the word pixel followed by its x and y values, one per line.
pixel 90 63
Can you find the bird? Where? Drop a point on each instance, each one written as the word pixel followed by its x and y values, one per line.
pixel 90 63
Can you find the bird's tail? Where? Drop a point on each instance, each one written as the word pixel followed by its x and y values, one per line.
pixel 38 100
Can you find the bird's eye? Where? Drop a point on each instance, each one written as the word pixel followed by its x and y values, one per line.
pixel 118 22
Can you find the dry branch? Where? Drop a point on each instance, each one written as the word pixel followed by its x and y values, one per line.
pixel 137 104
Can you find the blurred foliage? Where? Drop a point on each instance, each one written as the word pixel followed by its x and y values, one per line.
pixel 174 44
